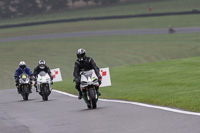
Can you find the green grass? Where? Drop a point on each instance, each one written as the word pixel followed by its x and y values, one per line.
pixel 121 9
pixel 171 83
pixel 108 51
pixel 139 64
pixel 134 23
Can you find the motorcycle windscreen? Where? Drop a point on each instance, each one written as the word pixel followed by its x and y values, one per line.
pixel 88 75
pixel 23 76
pixel 42 73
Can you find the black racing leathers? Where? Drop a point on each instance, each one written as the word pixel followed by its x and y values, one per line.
pixel 46 69
pixel 85 65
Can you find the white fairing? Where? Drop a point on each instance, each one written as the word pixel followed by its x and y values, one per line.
pixel 24 80
pixel 88 78
pixel 43 78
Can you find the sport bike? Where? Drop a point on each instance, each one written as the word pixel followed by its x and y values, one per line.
pixel 24 85
pixel 89 85
pixel 44 85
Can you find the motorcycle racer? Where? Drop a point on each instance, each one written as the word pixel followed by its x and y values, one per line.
pixel 42 67
pixel 84 63
pixel 22 69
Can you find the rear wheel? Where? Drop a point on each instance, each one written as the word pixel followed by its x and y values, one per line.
pixel 92 95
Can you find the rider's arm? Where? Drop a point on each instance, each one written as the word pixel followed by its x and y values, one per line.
pixel 35 72
pixel 76 71
pixel 96 69
pixel 49 72
pixel 16 74
pixel 94 66
pixel 28 71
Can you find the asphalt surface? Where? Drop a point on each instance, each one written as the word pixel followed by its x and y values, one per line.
pixel 64 114
pixel 102 33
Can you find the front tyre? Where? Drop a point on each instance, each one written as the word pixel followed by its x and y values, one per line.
pixel 92 94
pixel 25 93
pixel 45 94
pixel 89 106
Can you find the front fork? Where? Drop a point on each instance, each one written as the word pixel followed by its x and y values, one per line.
pixel 24 85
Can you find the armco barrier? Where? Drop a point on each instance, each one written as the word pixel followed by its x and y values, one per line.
pixel 100 18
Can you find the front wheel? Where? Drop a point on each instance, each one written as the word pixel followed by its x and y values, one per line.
pixel 89 106
pixel 25 97
pixel 25 93
pixel 92 94
pixel 45 98
pixel 45 94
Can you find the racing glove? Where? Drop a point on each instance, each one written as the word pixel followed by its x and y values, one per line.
pixel 99 80
pixel 76 80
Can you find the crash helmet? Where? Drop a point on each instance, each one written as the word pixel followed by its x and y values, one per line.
pixel 81 54
pixel 22 65
pixel 42 64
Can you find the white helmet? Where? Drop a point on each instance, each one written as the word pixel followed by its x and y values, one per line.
pixel 42 64
pixel 22 64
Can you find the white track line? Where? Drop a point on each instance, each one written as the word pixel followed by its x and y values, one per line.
pixel 139 104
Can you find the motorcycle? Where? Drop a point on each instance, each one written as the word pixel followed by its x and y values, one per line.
pixel 171 30
pixel 24 85
pixel 44 85
pixel 89 85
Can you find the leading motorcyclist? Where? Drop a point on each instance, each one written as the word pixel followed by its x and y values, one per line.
pixel 22 69
pixel 42 67
pixel 84 63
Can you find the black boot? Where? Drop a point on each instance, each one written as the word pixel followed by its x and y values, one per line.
pixel 36 88
pixel 31 89
pixel 80 95
pixel 17 86
pixel 18 90
pixel 99 92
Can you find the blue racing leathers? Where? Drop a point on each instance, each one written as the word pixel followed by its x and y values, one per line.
pixel 19 71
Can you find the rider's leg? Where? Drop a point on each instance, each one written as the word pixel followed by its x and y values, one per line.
pixel 97 88
pixel 79 91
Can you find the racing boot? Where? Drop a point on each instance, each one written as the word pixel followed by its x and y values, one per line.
pixel 31 89
pixel 98 92
pixel 17 86
pixel 18 89
pixel 80 95
pixel 36 88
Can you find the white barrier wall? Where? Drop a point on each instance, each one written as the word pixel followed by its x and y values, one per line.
pixel 105 73
pixel 57 77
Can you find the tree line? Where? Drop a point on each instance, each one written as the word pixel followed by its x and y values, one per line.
pixel 13 8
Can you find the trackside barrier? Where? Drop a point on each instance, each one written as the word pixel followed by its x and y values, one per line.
pixel 101 18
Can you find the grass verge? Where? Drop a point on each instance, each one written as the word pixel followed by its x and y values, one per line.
pixel 108 51
pixel 133 23
pixel 172 83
